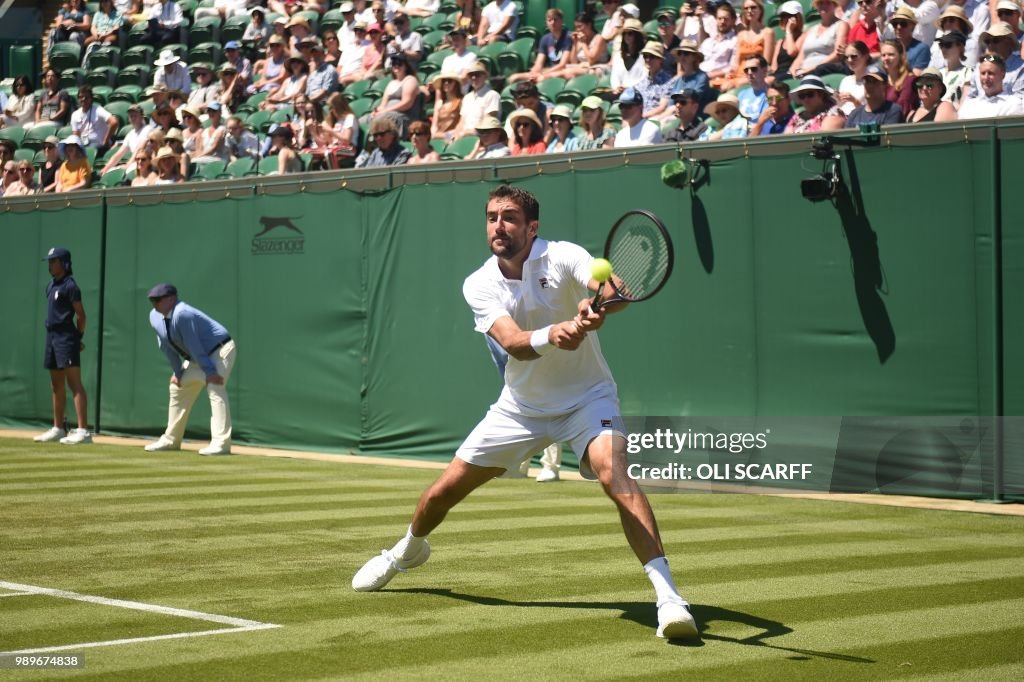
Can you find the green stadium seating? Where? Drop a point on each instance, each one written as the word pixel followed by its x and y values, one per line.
pixel 550 87
pixel 205 30
pixel 257 119
pixel 362 106
pixel 104 56
pixel 433 39
pixel 24 154
pixel 119 109
pixel 331 20
pixel 266 166
pixel 434 21
pixel 67 55
pixel 233 28
pixel 126 93
pixel 569 10
pixel 460 147
pixel 137 33
pixel 257 99
pixel 104 75
pixel 113 178
pixel 576 89
pixel 376 89
pixel 517 57
pixel 533 13
pixel 140 54
pixel 101 93
pixel 210 170
pixel 355 90
pixel 138 75
pixel 35 135
pixel 238 168
pixel 313 18
pixel 205 52
pixel 72 78
pixel 21 59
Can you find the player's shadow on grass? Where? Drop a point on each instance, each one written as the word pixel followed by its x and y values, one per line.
pixel 644 614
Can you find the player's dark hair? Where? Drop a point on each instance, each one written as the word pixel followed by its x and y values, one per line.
pixel 523 198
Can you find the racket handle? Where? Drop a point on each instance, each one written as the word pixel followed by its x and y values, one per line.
pixel 598 300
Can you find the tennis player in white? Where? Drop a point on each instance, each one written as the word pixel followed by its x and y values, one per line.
pixel 532 298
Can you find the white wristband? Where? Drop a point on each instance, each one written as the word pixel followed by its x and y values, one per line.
pixel 541 342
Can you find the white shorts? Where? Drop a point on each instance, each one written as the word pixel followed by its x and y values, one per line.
pixel 506 440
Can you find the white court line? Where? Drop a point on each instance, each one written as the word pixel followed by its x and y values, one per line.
pixel 238 624
pixel 16 594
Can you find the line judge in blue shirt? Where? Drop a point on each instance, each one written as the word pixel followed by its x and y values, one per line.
pixel 201 353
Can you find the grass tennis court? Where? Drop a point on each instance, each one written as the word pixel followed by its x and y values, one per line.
pixel 526 580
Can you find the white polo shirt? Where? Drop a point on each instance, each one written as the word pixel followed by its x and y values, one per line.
pixel 555 278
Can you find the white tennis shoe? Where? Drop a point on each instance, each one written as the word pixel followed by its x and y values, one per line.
pixel 161 445
pixel 55 433
pixel 77 437
pixel 547 475
pixel 676 622
pixel 378 571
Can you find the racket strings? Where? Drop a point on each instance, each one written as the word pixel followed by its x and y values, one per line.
pixel 641 259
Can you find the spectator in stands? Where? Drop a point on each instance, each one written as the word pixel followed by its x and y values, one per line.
pixel 388 151
pixel 866 28
pixel 257 31
pixel 1008 11
pixel 168 168
pixel 596 133
pixel 298 28
pixel 954 21
pixel 20 108
pixel 493 142
pixel 105 29
pixel 51 164
pixel 273 69
pixel 174 139
pixel 877 109
pixel 54 105
pixel 825 43
pixel 851 88
pixel 283 146
pixel 754 99
pixel 401 100
pixel 992 100
pixel 206 90
pixel 233 54
pixel 498 21
pixel 406 41
pixel 285 93
pixel 528 133
pixel 1001 41
pixel 7 149
pixel 332 48
pixel 930 91
pixel 212 145
pixel 337 139
pixel 192 130
pixel 686 107
pixel 480 101
pixel 164 118
pixel 901 79
pixel 468 17
pixel 461 59
pixel 655 87
pixel 93 125
pixel 241 143
pixel 75 173
pixel 718 49
pixel 422 8
pixel 563 139
pixel 731 124
pixel 821 112
pixel 25 183
pixel 137 13
pixel 172 74
pixel 791 19
pixel 776 116
pixel 222 9
pixel 752 39
pixel 165 20
pixel 552 52
pixel 689 75
pixel 927 14
pixel 350 68
pixel 696 22
pixel 589 51
pixel 636 131
pixel 73 23
pixel 420 134
pixel 306 118
pixel 527 96
pixel 232 87
pixel 903 22
pixel 627 67
pixel 373 54
pixel 145 172
pixel 669 40
pixel 280 28
pixel 8 177
pixel 383 11
pixel 133 141
pixel 956 74
pixel 447 106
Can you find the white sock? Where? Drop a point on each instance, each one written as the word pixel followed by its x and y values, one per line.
pixel 407 547
pixel 664 588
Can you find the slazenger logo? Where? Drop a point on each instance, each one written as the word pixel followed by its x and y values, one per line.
pixel 287 239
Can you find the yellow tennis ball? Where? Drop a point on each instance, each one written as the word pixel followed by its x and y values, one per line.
pixel 601 270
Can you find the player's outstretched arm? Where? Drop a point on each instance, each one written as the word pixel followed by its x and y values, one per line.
pixel 532 344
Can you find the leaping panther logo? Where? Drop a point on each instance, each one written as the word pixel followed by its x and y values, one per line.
pixel 269 223
pixel 279 243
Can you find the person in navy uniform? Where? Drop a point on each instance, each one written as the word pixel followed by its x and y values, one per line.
pixel 65 327
pixel 201 353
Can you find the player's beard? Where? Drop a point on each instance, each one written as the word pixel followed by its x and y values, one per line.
pixel 511 247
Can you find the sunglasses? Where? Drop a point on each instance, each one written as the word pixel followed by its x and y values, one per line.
pixel 994 59
pixel 804 95
pixel 682 102
pixel 11 170
pixel 899 23
pixel 775 98
pixel 925 86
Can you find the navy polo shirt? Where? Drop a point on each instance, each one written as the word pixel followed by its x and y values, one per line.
pixel 60 296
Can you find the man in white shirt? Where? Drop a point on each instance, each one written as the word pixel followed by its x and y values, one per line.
pixel 992 101
pixel 165 19
pixel 406 41
pixel 346 36
pixel 718 49
pixel 532 297
pixel 927 13
pixel 172 73
pixel 132 141
pixel 636 130
pixel 481 100
pixel 499 21
pixel 461 59
pixel 93 124
pixel 422 8
pixel 493 142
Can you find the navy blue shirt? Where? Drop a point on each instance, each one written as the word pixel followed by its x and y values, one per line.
pixel 60 298
pixel 552 49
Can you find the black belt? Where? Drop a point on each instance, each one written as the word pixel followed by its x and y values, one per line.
pixel 217 347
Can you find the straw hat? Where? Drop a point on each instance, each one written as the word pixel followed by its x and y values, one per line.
pixel 726 101
pixel 165 153
pixel 957 12
pixel 524 113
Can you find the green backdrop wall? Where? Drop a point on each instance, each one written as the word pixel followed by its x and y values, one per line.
pixel 353 335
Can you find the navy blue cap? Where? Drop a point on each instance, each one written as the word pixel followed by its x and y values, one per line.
pixel 58 252
pixel 685 93
pixel 161 290
pixel 877 72
pixel 630 96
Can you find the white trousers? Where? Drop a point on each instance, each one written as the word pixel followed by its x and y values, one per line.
pixel 183 397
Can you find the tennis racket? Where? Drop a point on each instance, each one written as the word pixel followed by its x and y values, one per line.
pixel 641 253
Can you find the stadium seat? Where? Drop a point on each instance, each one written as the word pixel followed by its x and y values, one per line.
pixel 517 56
pixel 280 116
pixel 35 135
pixel 205 30
pixel 433 39
pixel 138 75
pixel 140 54
pixel 434 21
pixel 104 56
pixel 257 120
pixel 210 170
pixel 460 147
pixel 104 75
pixel 576 89
pixel 669 9
pixel 833 80
pixel 205 52
pixel 66 55
pixel 313 18
pixel 72 78
pixel 492 50
pixel 376 89
pixel 147 107
pixel 15 135
pixel 24 154
pixel 265 167
pixel 533 14
pixel 257 99
pixel 137 34
pixel 569 10
pixel 448 7
pixel 113 178
pixel 178 49
pixel 119 109
pixel 238 168
pixel 331 20
pixel 234 28
pixel 550 88
pixel 355 90
pixel 126 93
pixel 362 106
pixel 101 93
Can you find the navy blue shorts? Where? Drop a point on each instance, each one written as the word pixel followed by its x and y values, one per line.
pixel 62 350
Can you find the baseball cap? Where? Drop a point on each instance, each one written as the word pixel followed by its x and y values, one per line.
pixel 1007 5
pixel 161 290
pixel 232 45
pixel 877 72
pixel 57 252
pixel 213 106
pixel 631 9
pixel 792 8
pixel 685 93
pixel 347 7
pixel 630 96
pixel 592 102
